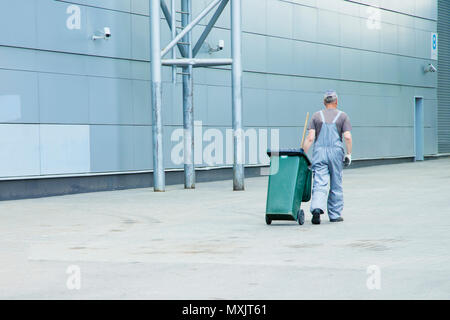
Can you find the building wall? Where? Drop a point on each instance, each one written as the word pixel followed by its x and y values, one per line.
pixel 444 77
pixel 70 105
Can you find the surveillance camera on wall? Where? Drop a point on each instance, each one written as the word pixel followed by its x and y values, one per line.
pixel 220 46
pixel 105 34
pixel 430 68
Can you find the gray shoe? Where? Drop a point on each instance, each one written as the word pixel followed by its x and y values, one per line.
pixel 340 219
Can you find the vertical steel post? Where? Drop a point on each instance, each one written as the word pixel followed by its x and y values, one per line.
pixel 156 79
pixel 188 104
pixel 238 134
pixel 173 24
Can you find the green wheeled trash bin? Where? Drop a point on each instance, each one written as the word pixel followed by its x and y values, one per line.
pixel 289 185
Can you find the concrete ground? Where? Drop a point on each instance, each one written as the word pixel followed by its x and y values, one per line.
pixel 213 243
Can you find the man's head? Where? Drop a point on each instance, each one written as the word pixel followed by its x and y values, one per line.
pixel 330 99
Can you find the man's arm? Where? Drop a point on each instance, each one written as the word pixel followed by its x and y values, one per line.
pixel 309 140
pixel 348 141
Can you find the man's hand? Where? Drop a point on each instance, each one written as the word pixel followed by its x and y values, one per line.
pixel 347 160
pixel 309 140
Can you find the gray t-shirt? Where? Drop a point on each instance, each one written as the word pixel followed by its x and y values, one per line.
pixel 343 123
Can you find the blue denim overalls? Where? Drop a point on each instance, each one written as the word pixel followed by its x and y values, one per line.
pixel 327 166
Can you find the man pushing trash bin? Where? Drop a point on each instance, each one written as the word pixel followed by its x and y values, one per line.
pixel 327 130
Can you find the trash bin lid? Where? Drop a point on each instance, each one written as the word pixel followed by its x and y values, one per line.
pixel 289 153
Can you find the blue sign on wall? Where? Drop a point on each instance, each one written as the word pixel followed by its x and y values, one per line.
pixel 434 46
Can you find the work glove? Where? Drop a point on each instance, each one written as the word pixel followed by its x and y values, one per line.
pixel 347 160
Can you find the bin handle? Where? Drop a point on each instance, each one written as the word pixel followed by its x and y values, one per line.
pixel 304 130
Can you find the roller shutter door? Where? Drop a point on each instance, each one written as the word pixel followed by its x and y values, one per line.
pixel 444 76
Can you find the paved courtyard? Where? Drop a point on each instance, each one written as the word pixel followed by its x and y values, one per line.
pixel 213 243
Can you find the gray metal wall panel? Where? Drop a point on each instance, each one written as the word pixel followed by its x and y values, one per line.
pixel 139 7
pixel 122 5
pixel 112 148
pixel 143 159
pixel 63 98
pixel 18 23
pixel 20 151
pixel 19 97
pixel 110 101
pixel 64 149
pixel 142 113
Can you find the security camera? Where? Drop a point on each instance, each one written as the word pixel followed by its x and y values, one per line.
pixel 105 34
pixel 221 45
pixel 430 68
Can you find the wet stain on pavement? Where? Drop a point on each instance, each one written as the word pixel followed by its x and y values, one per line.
pixel 305 245
pixel 153 252
pixel 374 245
pixel 202 252
pixel 129 221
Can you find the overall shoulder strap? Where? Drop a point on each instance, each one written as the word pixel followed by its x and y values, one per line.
pixel 322 116
pixel 337 117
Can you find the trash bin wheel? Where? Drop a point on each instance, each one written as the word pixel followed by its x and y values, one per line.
pixel 268 220
pixel 301 217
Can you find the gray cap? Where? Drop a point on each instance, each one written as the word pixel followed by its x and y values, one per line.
pixel 330 96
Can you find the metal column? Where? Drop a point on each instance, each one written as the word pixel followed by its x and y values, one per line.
pixel 155 64
pixel 173 24
pixel 188 104
pixel 238 136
